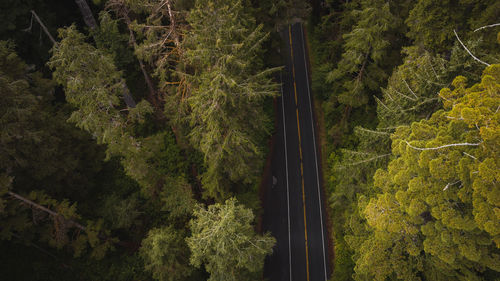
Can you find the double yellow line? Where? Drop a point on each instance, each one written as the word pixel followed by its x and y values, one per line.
pixel 300 151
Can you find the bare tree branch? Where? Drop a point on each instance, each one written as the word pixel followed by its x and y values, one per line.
pixel 378 100
pixel 471 156
pixel 408 86
pixel 364 161
pixel 43 27
pixel 442 146
pixel 47 210
pixel 403 95
pixel 122 10
pixel 172 24
pixel 474 57
pixel 372 131
pixel 450 184
pixel 487 26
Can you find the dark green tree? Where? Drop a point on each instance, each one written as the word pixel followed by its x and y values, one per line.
pixel 32 155
pixel 360 72
pixel 94 86
pixel 227 86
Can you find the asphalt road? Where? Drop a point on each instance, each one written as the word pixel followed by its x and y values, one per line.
pixel 293 208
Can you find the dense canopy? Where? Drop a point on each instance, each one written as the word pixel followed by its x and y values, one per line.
pixel 134 136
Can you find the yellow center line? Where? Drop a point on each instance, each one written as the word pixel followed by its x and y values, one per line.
pixel 300 152
pixel 295 90
pixel 298 130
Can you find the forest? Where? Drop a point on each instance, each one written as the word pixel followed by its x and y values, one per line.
pixel 134 136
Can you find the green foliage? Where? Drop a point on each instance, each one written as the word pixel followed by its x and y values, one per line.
pixel 94 86
pixel 166 254
pixel 223 240
pixel 431 23
pixel 30 141
pixel 436 201
pixel 121 213
pixel 227 87
pixel 411 91
pixel 109 38
pixel 360 72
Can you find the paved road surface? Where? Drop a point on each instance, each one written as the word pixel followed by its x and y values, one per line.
pixel 293 206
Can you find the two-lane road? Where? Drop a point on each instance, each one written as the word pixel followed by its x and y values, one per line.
pixel 293 205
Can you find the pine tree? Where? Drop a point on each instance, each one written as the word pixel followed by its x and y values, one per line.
pixel 360 72
pixel 166 254
pixel 223 240
pixel 411 93
pixel 227 87
pixel 431 23
pixel 32 155
pixel 93 85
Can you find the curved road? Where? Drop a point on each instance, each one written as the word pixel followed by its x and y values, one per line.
pixel 293 204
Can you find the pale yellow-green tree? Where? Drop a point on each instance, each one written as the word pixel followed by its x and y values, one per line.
pixel 437 212
pixel 224 241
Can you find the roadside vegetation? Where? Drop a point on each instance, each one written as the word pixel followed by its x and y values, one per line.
pixel 134 134
pixel 409 91
pixel 133 139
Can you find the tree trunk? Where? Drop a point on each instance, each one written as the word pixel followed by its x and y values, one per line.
pixel 47 210
pixel 87 14
pixel 43 27
pixel 172 24
pixel 90 21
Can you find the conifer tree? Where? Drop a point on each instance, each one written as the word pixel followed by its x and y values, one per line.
pixel 93 85
pixel 31 153
pixel 360 72
pixel 227 86
pixel 412 90
pixel 436 201
pixel 223 240
pixel 166 254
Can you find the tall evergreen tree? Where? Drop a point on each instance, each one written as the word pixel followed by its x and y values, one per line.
pixel 431 23
pixel 35 147
pixel 166 254
pixel 227 86
pixel 223 240
pixel 94 86
pixel 360 72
